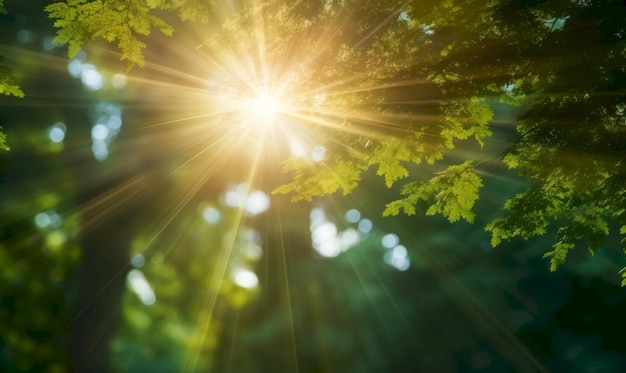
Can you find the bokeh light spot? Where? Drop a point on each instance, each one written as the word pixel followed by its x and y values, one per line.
pixel 235 197
pixel 25 36
pixel 99 132
pixel 118 81
pixel 399 251
pixel 348 239
pixel 365 225
pixel 55 240
pixel 140 286
pixel 211 215
pixel 75 68
pixel 253 251
pixel 56 133
pixel 246 279
pixel 252 203
pixel 353 216
pixel 317 215
pixel 318 153
pixel 48 219
pixel 390 240
pixel 48 44
pixel 329 248
pixel 114 122
pixel 324 237
pixel 398 258
pixel 42 220
pixel 138 261
pixel 99 150
pixel 91 77
pixel 324 232
pixel 257 202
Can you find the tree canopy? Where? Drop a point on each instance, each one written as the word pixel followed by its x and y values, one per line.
pixel 421 78
pixel 396 88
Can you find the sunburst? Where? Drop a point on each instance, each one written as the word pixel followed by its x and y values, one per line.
pixel 265 107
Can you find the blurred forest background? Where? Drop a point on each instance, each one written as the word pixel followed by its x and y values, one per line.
pixel 135 237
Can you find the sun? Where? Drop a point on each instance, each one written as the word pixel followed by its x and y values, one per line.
pixel 265 107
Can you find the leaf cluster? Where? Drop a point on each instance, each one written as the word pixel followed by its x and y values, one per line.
pixel 189 10
pixel 118 21
pixel 8 87
pixel 572 135
pixel 322 179
pixel 453 193
pixel 408 80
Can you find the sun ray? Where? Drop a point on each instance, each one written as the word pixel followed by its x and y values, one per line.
pixel 193 353
pixel 380 26
pixel 387 293
pixel 234 333
pixel 501 336
pixel 288 294
pixel 359 277
pixel 114 196
pixel 203 150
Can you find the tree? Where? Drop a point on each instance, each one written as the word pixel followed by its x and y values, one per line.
pixel 396 91
pixel 572 135
pixel 459 58
pixel 40 246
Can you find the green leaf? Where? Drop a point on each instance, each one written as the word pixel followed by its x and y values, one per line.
pixel 529 214
pixel 558 254
pixel 3 138
pixel 318 179
pixel 389 155
pixel 467 118
pixel 194 10
pixel 406 204
pixel 451 193
pixel 8 86
pixel 117 21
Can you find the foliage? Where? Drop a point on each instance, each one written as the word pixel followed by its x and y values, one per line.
pixel 123 22
pixel 355 145
pixel 572 137
pixel 422 76
pixel 323 178
pixel 8 86
pixel 413 140
pixel 578 196
pixel 571 131
pixel 82 21
pixel 3 138
pixel 402 87
pixel 190 10
pixel 454 192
